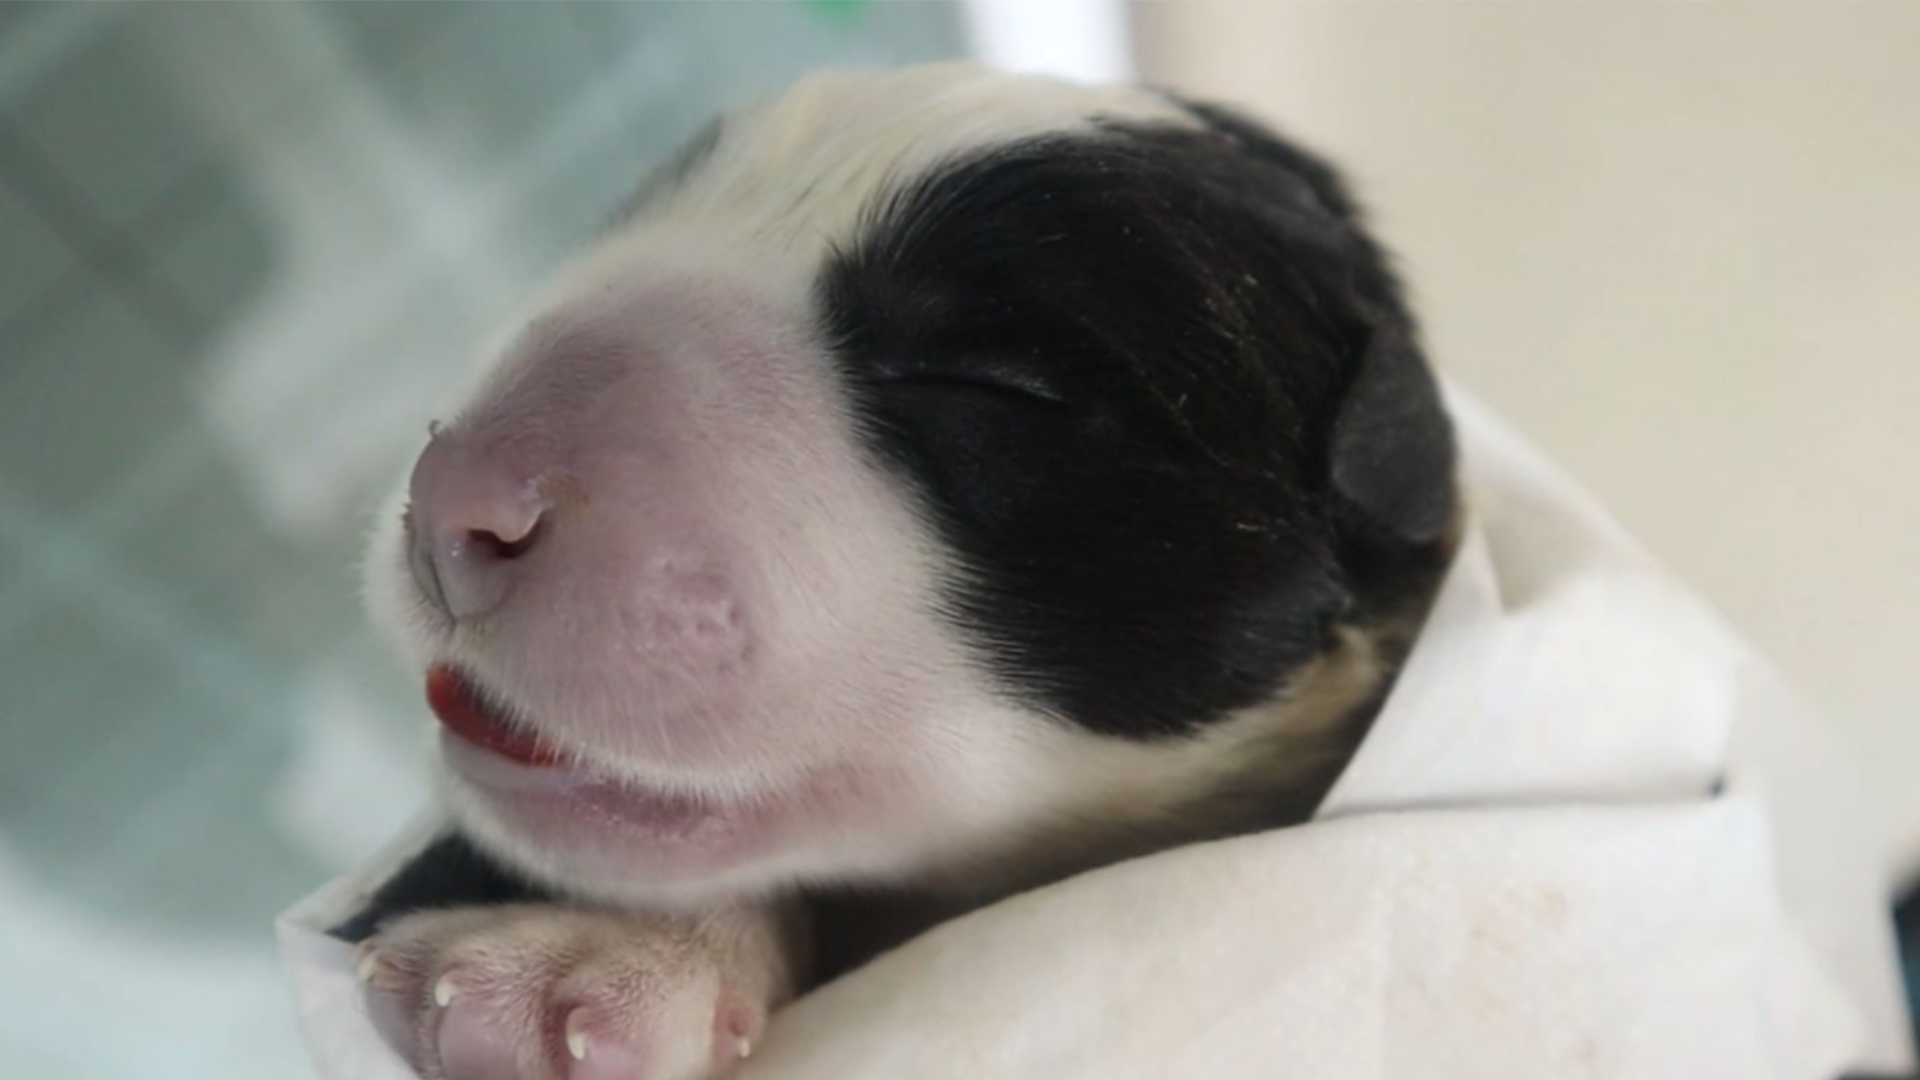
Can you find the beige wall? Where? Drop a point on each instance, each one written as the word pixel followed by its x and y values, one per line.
pixel 1680 247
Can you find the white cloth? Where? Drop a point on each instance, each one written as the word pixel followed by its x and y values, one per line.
pixel 1589 836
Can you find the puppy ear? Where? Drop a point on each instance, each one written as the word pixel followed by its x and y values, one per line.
pixel 1392 454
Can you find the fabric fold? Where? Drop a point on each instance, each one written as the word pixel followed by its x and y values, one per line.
pixel 1590 835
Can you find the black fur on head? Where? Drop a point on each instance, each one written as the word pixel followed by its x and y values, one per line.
pixel 1163 397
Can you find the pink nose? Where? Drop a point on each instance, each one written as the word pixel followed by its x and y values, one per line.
pixel 472 518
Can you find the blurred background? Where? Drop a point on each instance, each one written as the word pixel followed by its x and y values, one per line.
pixel 242 245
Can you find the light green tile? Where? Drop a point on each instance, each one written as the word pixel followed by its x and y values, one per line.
pixel 751 46
pixel 35 256
pixel 209 546
pixel 378 34
pixel 119 755
pixel 575 200
pixel 108 124
pixel 220 258
pixel 90 392
pixel 482 89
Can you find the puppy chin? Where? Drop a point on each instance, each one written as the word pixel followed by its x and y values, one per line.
pixel 585 834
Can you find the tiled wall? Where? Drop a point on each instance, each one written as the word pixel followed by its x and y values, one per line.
pixel 241 247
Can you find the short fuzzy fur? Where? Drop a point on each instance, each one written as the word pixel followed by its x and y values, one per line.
pixel 984 477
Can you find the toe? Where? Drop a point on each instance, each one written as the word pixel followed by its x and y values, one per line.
pixel 475 1040
pixel 598 1050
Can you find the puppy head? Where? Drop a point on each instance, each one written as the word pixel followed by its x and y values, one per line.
pixel 931 468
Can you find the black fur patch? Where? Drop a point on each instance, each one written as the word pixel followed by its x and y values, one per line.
pixel 1117 366
pixel 450 872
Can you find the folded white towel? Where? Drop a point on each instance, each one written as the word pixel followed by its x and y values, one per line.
pixel 1589 836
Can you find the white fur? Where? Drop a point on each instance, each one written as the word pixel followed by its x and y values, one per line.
pixel 853 679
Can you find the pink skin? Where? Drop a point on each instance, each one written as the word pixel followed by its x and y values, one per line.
pixel 663 554
pixel 538 993
pixel 632 617
pixel 704 618
pixel 622 824
pixel 629 583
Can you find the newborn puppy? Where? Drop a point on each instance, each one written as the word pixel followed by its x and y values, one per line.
pixel 935 484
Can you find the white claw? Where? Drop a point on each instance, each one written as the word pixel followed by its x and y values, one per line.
pixel 576 1036
pixel 368 965
pixel 443 991
pixel 743 1048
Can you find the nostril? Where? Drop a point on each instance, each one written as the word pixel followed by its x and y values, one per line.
pixel 492 544
pixel 474 509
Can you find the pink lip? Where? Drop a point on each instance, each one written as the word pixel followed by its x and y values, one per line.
pixel 512 765
pixel 466 711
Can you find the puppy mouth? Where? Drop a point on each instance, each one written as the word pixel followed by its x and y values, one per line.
pixel 470 714
pixel 618 836
pixel 534 780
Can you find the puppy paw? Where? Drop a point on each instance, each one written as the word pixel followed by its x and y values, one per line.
pixel 545 992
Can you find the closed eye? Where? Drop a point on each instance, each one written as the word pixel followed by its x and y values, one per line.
pixel 1012 386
